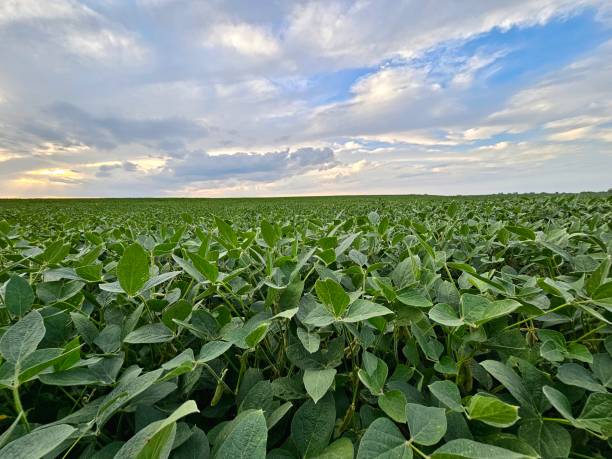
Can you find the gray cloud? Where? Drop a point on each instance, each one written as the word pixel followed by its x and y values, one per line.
pixel 108 132
pixel 200 166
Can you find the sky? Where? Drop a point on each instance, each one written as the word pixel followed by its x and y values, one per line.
pixel 119 98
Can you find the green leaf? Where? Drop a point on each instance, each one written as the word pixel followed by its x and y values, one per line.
pixel 477 310
pixel 393 403
pixel 559 401
pixel 604 291
pixel 340 449
pixel 597 414
pixel 150 334
pixel 195 447
pixel 447 393
pixel 156 439
pixel 511 381
pixel 602 369
pixel 550 440
pixel 159 279
pixel 363 309
pixel 310 341
pixel 179 311
pixel 576 375
pixel 492 411
pixel 383 440
pixel 258 334
pixel 269 233
pixel 212 350
pixel 414 299
pixel 22 338
pixel 427 424
pixel 333 296
pixel 133 269
pixel 445 314
pixel 226 233
pixel 318 382
pixel 124 391
pixel 312 425
pixel 464 448
pixel 523 232
pixel 8 432
pixel 37 443
pixel 374 374
pixel 18 296
pixel 210 271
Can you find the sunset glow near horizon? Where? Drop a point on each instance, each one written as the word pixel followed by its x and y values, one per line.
pixel 214 99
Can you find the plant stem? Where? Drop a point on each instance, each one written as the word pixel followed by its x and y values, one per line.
pixel 421 453
pixel 558 308
pixel 19 407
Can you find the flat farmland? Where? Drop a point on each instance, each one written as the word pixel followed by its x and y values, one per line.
pixel 333 327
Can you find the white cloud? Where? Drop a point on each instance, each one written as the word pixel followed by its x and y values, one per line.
pixel 246 39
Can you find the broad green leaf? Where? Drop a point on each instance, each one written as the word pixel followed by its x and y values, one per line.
pixel 258 334
pixel 123 392
pixel 333 296
pixel 133 269
pixel 374 374
pixel 196 446
pixel 269 233
pixel 414 299
pixel 363 309
pixel 18 296
pixel 464 448
pixel 522 231
pixel 247 437
pixel 447 393
pixel 310 340
pixel 212 350
pixel 383 440
pixel 150 334
pixel 597 414
pixel 492 411
pixel 547 438
pixel 477 310
pixel 37 443
pixel 318 382
pixel 312 425
pixel 278 414
pixel 179 311
pixel 393 403
pixel 602 369
pixel 22 338
pixel 427 424
pixel 576 375
pixel 511 381
pixel 209 270
pixel 340 449
pixel 559 401
pixel 158 280
pixel 156 439
pixel 445 314
pixel 226 233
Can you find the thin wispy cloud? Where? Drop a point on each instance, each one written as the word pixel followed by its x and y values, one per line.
pixel 164 97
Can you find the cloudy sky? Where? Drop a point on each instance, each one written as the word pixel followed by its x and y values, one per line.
pixel 269 98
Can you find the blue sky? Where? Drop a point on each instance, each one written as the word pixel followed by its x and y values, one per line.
pixel 225 98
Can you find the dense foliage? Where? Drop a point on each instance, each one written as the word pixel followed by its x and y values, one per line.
pixel 383 327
